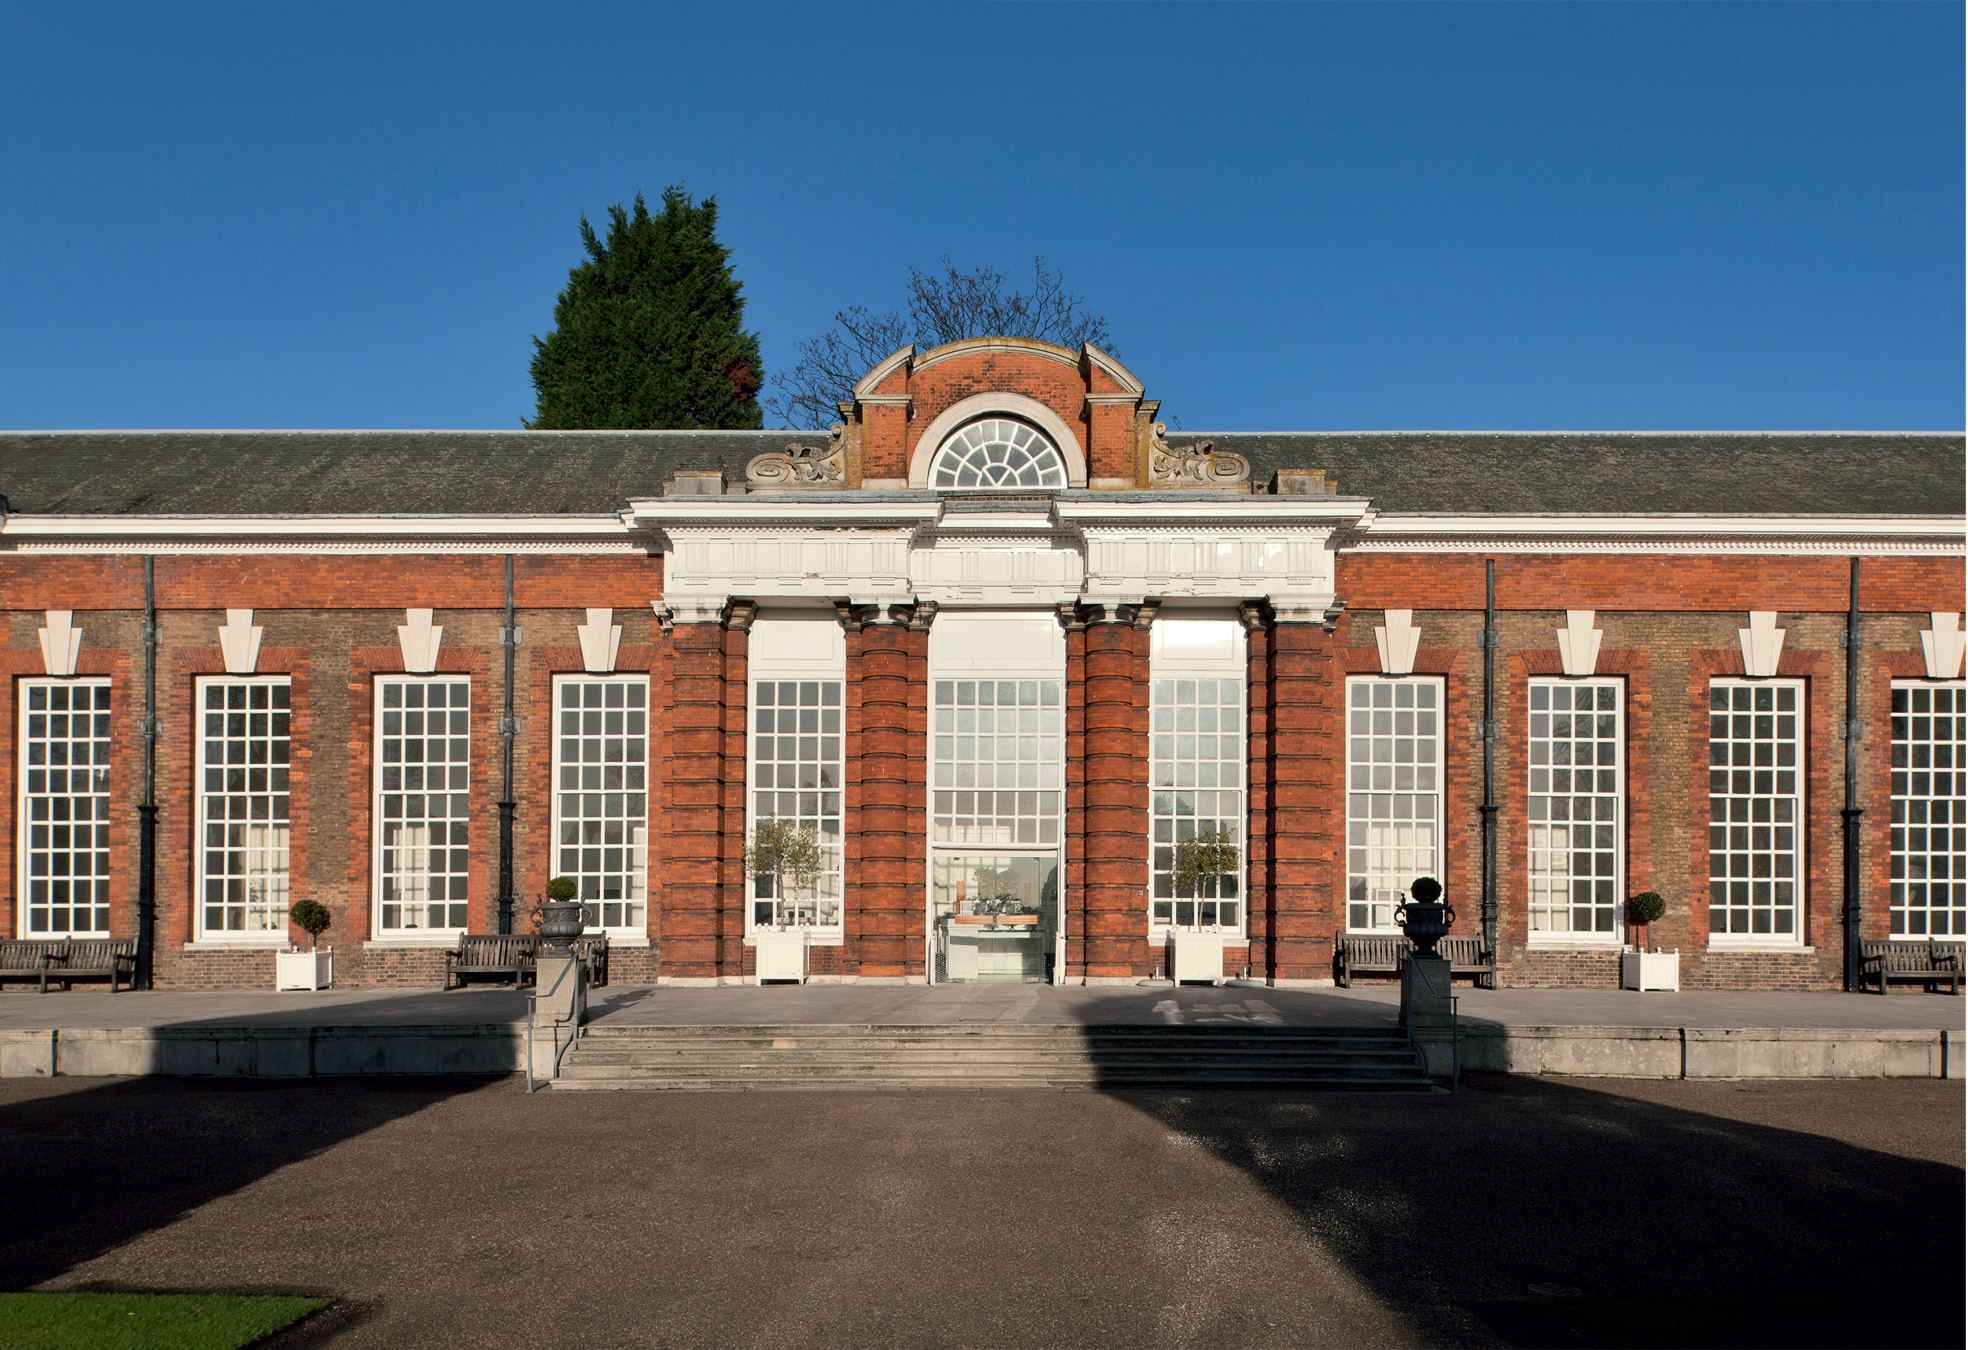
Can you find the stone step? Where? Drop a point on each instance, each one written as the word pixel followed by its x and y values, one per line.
pixel 975 1056
pixel 861 1054
pixel 997 1030
pixel 963 1069
pixel 1056 1083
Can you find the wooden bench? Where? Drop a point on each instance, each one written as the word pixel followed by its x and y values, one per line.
pixel 65 961
pixel 1927 961
pixel 491 956
pixel 1385 954
pixel 592 948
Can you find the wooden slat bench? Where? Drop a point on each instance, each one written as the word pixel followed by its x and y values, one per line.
pixel 592 948
pixel 1385 954
pixel 1928 961
pixel 491 956
pixel 65 961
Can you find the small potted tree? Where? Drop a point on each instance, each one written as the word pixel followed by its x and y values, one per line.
pixel 1206 856
pixel 782 854
pixel 313 968
pixel 1640 968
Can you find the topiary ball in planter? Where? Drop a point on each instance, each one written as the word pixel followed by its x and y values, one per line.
pixel 562 889
pixel 1645 907
pixel 311 917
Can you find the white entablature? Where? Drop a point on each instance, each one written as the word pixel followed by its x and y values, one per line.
pixel 997 554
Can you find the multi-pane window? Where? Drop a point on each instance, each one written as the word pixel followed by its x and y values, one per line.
pixel 423 791
pixel 796 776
pixel 1394 794
pixel 65 807
pixel 1930 810
pixel 1197 777
pixel 1578 762
pixel 1755 808
pixel 997 452
pixel 601 795
pixel 996 758
pixel 242 806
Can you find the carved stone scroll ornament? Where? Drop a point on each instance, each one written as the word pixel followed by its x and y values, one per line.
pixel 1198 465
pixel 802 466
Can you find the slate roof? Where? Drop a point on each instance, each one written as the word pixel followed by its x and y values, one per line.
pixel 587 472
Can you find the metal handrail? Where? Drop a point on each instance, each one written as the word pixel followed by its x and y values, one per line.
pixel 1455 1027
pixel 532 1010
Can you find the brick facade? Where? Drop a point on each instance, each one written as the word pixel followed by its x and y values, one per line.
pixel 1669 622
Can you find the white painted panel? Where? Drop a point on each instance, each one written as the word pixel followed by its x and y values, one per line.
pixel 1009 644
pixel 1194 645
pixel 810 645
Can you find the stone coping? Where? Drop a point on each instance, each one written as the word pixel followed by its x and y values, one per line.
pixel 21 1009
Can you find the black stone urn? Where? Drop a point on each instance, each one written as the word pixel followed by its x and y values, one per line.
pixel 559 919
pixel 1424 918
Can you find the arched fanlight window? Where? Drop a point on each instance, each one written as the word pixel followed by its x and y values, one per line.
pixel 998 452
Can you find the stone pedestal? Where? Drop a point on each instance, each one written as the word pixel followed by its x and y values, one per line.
pixel 1426 1011
pixel 562 997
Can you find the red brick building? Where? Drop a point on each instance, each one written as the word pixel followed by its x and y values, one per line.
pixel 1001 645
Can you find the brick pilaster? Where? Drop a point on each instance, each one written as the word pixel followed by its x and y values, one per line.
pixel 1072 882
pixel 1307 801
pixel 693 865
pixel 1116 817
pixel 885 890
pixel 1259 894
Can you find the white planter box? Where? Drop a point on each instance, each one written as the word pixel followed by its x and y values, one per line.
pixel 1198 956
pixel 782 955
pixel 304 970
pixel 1651 970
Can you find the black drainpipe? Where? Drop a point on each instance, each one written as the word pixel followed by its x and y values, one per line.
pixel 1489 806
pixel 508 727
pixel 1852 813
pixel 147 808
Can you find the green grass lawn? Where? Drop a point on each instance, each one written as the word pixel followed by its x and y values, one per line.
pixel 145 1321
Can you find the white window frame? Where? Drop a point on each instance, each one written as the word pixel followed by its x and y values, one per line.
pixel 1763 941
pixel 791 644
pixel 1360 827
pixel 1904 779
pixel 1014 645
pixel 1574 938
pixel 1198 647
pixel 274 935
pixel 830 883
pixel 413 935
pixel 25 825
pixel 956 449
pixel 635 869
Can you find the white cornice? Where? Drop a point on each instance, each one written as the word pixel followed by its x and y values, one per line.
pixel 28 534
pixel 1114 370
pixel 950 351
pixel 868 383
pixel 1657 533
pixel 765 510
pixel 1184 511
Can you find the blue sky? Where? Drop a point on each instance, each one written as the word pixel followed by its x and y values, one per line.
pixel 1293 216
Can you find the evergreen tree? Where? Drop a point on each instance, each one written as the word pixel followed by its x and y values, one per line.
pixel 650 330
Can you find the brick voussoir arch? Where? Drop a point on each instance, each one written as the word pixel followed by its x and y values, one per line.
pixel 1063 436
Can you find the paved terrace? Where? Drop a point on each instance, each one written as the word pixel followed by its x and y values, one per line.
pixel 916 1005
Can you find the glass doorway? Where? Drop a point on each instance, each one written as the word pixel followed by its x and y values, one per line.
pixel 994 917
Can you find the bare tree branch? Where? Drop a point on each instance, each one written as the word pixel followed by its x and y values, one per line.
pixel 943 307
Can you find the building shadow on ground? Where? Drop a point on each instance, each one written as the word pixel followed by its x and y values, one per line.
pixel 88 1164
pixel 1715 1230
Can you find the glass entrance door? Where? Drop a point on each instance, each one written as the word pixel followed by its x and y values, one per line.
pixel 994 917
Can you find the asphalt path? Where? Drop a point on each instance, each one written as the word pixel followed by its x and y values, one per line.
pixel 453 1212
